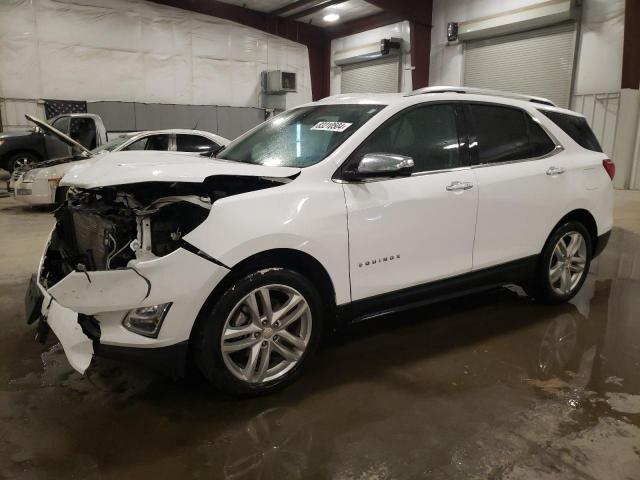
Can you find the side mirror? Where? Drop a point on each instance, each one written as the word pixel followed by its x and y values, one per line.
pixel 381 165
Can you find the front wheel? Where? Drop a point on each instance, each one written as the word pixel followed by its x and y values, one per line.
pixel 260 333
pixel 564 264
pixel 21 160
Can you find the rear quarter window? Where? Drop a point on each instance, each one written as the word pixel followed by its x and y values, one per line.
pixel 577 128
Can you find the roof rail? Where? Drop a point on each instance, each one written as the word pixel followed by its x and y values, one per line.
pixel 481 91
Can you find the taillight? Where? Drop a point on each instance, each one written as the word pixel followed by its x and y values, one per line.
pixel 610 167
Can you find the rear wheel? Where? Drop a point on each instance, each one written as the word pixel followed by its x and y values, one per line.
pixel 261 332
pixel 564 264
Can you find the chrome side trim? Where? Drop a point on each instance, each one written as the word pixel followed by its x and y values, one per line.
pixel 553 152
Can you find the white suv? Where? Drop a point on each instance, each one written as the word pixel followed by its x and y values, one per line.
pixel 339 210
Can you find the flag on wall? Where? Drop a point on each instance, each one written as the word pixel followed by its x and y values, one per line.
pixel 58 107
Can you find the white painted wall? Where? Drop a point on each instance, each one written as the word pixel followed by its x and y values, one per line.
pixel 599 64
pixel 354 42
pixel 132 50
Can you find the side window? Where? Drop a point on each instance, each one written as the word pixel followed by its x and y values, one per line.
pixel 194 143
pixel 137 145
pixel 62 124
pixel 540 142
pixel 500 133
pixel 83 131
pixel 503 134
pixel 428 134
pixel 151 142
pixel 577 128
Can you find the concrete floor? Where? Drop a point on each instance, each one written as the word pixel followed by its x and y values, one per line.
pixel 490 386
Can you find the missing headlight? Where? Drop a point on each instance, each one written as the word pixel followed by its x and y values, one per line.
pixel 171 223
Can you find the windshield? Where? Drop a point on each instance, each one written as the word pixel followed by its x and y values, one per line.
pixel 111 145
pixel 300 137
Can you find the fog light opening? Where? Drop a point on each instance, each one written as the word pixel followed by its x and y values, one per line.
pixel 146 321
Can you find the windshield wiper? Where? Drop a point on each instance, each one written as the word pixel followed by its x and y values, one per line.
pixel 214 151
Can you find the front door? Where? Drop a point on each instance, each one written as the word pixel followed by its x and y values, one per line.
pixel 412 230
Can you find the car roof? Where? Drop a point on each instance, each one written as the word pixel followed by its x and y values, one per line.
pixel 183 131
pixel 87 115
pixel 445 93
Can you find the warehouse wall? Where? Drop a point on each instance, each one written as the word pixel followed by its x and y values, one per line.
pixel 355 42
pixel 599 64
pixel 137 51
pixel 229 122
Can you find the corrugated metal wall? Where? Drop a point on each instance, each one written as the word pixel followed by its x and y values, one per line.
pixel 374 76
pixel 230 122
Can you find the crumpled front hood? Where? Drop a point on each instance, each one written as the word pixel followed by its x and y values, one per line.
pixel 121 168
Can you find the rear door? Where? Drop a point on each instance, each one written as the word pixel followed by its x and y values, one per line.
pixel 522 181
pixel 412 230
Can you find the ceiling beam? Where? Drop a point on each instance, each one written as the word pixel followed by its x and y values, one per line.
pixel 293 6
pixel 282 27
pixel 314 9
pixel 417 10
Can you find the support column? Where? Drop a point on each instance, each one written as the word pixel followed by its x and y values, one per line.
pixel 420 54
pixel 627 142
pixel 631 52
pixel 320 67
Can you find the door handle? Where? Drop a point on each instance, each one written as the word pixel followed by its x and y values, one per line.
pixel 457 186
pixel 555 171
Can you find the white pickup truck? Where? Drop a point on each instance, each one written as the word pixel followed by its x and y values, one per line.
pixel 19 149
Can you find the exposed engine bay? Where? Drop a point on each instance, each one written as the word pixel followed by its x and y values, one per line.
pixel 106 228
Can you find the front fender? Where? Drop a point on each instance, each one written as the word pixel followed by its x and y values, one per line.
pixel 298 216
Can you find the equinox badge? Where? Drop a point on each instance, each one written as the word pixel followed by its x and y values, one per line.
pixel 378 260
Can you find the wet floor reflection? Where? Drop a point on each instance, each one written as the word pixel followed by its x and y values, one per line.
pixel 490 385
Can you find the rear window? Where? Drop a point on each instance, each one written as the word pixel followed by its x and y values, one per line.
pixel 577 128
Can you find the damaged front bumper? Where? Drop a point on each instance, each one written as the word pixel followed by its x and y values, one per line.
pixel 86 309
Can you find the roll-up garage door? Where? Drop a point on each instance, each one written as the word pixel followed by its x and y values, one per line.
pixel 373 76
pixel 538 62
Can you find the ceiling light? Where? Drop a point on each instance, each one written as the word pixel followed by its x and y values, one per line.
pixel 331 17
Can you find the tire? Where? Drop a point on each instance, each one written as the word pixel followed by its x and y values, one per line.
pixel 566 279
pixel 61 195
pixel 279 352
pixel 21 159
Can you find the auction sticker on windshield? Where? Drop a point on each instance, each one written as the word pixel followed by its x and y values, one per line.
pixel 331 126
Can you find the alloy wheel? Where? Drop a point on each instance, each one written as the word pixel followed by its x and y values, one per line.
pixel 266 333
pixel 21 162
pixel 568 261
